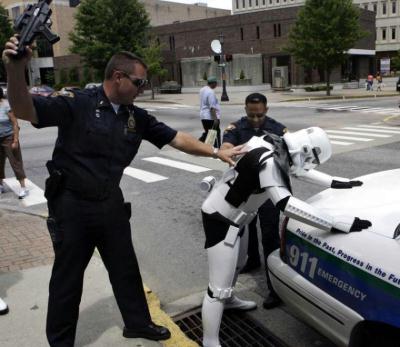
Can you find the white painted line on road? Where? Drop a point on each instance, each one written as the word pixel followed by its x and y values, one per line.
pixel 177 164
pixel 35 195
pixel 361 139
pixel 341 143
pixel 356 133
pixel 376 127
pixel 144 176
pixel 375 130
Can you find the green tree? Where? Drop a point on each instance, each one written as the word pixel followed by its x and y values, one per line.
pixel 151 54
pixel 104 27
pixel 395 62
pixel 324 31
pixel 5 33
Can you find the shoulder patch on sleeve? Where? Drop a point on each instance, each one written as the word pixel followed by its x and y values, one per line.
pixel 66 93
pixel 229 128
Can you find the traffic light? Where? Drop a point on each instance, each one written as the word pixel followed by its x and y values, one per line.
pixel 217 58
pixel 228 57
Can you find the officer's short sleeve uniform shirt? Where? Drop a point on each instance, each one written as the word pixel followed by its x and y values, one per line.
pixel 242 131
pixel 95 144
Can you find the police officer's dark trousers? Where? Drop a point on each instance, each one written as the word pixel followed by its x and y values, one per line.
pixel 80 226
pixel 269 225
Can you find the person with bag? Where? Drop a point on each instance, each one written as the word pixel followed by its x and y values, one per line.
pixel 210 113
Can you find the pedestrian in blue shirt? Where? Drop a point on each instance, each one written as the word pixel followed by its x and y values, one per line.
pixel 257 123
pixel 99 134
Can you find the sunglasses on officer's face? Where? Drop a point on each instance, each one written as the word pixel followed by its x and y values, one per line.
pixel 258 115
pixel 137 82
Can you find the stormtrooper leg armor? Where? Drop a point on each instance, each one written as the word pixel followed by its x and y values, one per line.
pixel 225 261
pixel 3 307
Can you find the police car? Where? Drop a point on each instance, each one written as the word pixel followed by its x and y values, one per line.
pixel 347 286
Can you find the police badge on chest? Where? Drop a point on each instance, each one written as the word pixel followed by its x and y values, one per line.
pixel 131 124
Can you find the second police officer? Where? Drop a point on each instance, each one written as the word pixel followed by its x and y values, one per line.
pixel 257 123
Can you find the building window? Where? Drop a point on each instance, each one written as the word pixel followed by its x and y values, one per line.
pixel 256 2
pixel 393 33
pixel 243 4
pixel 172 43
pixel 15 12
pixel 44 48
pixel 375 7
pixel 394 7
pixel 366 7
pixel 241 34
pixel 237 4
pixel 383 34
pixel 250 3
pixel 383 8
pixel 258 32
pixel 263 2
pixel 270 2
pixel 277 30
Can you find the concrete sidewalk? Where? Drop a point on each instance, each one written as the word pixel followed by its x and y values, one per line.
pixel 26 256
pixel 190 96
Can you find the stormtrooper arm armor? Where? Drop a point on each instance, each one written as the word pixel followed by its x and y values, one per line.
pixel 325 180
pixel 306 213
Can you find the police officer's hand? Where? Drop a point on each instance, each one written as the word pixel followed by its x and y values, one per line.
pixel 10 51
pixel 227 155
pixel 345 185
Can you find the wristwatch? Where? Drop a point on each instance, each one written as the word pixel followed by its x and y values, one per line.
pixel 215 152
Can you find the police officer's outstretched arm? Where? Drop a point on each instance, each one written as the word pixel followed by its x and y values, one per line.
pixel 17 89
pixel 187 143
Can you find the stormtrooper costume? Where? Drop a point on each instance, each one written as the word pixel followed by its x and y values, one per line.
pixel 3 307
pixel 260 174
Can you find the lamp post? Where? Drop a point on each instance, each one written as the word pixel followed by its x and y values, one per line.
pixel 224 96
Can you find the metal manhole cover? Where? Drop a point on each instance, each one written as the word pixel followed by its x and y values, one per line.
pixel 237 330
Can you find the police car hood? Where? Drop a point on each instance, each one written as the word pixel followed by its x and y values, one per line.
pixel 377 200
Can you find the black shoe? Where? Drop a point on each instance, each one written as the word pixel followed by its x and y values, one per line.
pixel 250 266
pixel 150 332
pixel 271 301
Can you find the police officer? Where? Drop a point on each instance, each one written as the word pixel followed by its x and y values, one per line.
pixel 99 133
pixel 257 123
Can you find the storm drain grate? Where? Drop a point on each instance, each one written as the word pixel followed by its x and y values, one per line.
pixel 237 330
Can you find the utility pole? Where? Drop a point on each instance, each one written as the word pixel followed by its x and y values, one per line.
pixel 224 96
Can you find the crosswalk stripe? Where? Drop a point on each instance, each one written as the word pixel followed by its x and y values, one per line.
pixel 361 139
pixel 35 195
pixel 376 127
pixel 144 176
pixel 376 130
pixel 341 143
pixel 356 133
pixel 177 164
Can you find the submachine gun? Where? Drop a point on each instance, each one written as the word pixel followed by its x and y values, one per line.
pixel 33 22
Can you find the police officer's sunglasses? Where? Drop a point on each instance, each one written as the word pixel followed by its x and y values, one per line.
pixel 137 82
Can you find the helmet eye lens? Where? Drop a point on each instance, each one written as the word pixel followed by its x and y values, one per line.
pixel 316 151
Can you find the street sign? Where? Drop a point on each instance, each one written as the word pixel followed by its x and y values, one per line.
pixel 216 46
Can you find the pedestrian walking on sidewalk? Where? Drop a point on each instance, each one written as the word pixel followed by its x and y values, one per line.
pixel 257 123
pixel 10 147
pixel 379 81
pixel 3 307
pixel 210 110
pixel 370 82
pixel 99 134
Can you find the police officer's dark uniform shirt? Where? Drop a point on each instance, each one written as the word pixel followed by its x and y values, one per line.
pixel 95 144
pixel 243 131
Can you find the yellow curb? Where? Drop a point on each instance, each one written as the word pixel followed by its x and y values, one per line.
pixel 178 338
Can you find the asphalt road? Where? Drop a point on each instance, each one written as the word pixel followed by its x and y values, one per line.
pixel 166 220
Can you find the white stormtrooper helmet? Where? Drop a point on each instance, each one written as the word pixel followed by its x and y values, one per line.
pixel 308 148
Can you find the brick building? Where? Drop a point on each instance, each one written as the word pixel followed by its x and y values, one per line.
pixel 256 41
pixel 387 22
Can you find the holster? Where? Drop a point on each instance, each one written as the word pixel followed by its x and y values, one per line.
pixel 54 182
